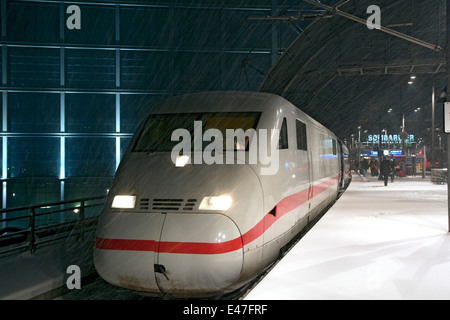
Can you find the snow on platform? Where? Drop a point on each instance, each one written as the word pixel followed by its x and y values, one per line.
pixel 376 242
pixel 43 273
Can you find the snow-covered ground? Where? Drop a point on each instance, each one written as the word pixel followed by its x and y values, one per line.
pixel 376 242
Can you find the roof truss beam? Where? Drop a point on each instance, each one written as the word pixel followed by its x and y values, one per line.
pixel 395 33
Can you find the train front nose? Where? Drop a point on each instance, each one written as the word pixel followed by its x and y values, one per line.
pixel 181 254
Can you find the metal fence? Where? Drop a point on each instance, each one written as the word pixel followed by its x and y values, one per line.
pixel 439 176
pixel 25 228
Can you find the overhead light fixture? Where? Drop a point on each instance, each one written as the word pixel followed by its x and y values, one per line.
pixel 413 77
pixel 410 82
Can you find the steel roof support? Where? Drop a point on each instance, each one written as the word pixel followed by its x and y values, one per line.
pixel 383 29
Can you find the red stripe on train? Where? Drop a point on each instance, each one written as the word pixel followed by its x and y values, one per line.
pixel 168 246
pixel 284 206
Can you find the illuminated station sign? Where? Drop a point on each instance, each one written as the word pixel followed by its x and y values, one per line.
pixel 385 153
pixel 392 138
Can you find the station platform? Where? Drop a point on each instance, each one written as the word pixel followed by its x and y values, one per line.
pixel 377 242
pixel 42 275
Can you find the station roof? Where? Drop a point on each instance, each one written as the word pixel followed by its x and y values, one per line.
pixel 346 75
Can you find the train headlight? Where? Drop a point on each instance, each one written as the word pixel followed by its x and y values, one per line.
pixel 181 161
pixel 124 202
pixel 216 203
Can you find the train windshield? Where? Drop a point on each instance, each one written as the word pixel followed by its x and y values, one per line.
pixel 156 134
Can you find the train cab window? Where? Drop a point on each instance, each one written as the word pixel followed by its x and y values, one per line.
pixel 301 135
pixel 283 141
pixel 156 134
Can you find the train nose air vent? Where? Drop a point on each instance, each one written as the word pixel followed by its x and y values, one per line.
pixel 144 203
pixel 167 204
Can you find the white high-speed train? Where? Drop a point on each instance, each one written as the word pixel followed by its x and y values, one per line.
pixel 185 226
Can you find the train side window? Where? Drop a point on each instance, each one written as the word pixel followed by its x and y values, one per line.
pixel 301 135
pixel 283 141
pixel 334 147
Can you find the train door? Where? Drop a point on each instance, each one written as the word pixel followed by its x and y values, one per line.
pixel 304 178
pixel 279 187
pixel 341 165
pixel 284 187
pixel 312 164
pixel 315 163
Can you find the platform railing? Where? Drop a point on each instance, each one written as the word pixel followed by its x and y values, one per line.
pixel 25 228
pixel 439 176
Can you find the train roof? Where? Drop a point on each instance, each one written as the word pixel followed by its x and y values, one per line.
pixel 219 101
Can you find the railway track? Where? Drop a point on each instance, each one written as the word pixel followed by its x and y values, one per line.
pixel 95 288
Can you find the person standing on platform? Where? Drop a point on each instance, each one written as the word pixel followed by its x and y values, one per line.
pixel 374 168
pixel 393 172
pixel 385 170
pixel 364 166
